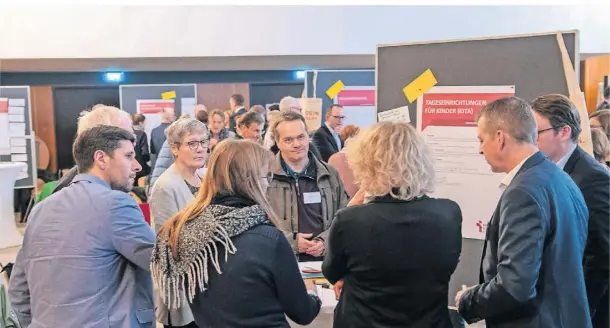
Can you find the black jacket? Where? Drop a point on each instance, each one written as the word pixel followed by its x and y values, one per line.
pixel 259 286
pixel 324 140
pixel 396 258
pixel 142 153
pixel 593 180
pixel 531 272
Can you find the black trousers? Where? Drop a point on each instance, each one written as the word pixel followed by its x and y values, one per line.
pixel 190 325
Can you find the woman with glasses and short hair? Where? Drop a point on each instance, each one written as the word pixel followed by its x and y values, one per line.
pixel 189 141
pixel 226 251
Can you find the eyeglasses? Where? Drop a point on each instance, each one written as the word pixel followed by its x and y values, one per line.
pixel 193 145
pixel 339 117
pixel 544 130
pixel 269 177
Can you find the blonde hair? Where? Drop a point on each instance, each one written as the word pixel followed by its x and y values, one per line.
pixel 183 127
pixel 601 145
pixel 392 155
pixel 218 112
pixel 258 109
pixel 102 115
pixel 236 167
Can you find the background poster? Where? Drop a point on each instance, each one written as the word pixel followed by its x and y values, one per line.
pixel 312 112
pixel 151 109
pixel 446 118
pixel 358 105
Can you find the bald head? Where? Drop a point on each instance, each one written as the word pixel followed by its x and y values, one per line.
pixel 290 104
pixel 104 115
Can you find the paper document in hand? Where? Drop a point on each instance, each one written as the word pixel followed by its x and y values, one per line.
pixel 400 114
pixel 446 117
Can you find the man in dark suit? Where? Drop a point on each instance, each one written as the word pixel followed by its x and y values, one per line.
pixel 558 130
pixel 236 103
pixel 531 269
pixel 327 136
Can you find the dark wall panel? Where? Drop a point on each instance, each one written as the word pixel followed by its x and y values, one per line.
pixel 69 102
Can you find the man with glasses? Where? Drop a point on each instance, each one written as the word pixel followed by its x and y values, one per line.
pixel 558 130
pixel 290 104
pixel 327 136
pixel 304 192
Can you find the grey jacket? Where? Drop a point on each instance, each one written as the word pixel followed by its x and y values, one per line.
pixel 169 195
pixel 163 161
pixel 85 261
pixel 283 198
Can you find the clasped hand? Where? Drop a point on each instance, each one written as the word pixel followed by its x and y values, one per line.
pixel 311 247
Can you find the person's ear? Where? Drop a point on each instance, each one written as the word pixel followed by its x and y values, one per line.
pixel 174 149
pixel 501 139
pixel 100 158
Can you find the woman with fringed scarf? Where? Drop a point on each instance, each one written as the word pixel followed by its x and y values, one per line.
pixel 225 250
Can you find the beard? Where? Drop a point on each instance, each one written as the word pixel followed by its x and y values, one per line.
pixel 125 187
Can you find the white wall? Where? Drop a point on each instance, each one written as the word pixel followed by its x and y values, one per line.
pixel 176 31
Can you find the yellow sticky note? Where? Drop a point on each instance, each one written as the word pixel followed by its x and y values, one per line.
pixel 420 85
pixel 335 89
pixel 168 95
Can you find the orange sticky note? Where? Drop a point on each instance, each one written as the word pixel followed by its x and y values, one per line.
pixel 420 85
pixel 335 89
pixel 168 95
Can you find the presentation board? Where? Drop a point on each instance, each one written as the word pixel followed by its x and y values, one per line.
pixel 17 140
pixel 184 96
pixel 318 82
pixel 532 63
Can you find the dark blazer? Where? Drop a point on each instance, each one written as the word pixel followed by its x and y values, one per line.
pixel 142 153
pixel 233 119
pixel 593 180
pixel 396 258
pixel 259 286
pixel 531 272
pixel 324 140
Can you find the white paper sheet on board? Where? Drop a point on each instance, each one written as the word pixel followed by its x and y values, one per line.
pixel 446 118
pixel 18 142
pixel 4 133
pixel 358 105
pixel 400 114
pixel 14 110
pixel 19 158
pixel 23 173
pixel 188 106
pixel 16 129
pixel 16 102
pixel 18 150
pixel 16 118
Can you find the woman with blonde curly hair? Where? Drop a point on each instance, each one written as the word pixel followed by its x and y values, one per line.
pixel 391 253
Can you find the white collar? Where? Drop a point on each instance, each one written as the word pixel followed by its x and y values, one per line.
pixel 238 109
pixel 331 129
pixel 564 160
pixel 511 175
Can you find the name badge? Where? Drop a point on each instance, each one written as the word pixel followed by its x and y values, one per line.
pixel 312 197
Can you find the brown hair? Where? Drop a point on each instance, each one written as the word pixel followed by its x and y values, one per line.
pixel 137 118
pixel 236 167
pixel 560 112
pixel 601 145
pixel 249 118
pixel 603 116
pixel 286 117
pixel 349 131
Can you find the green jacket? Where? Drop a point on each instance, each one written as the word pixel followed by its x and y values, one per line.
pixel 283 198
pixel 8 319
